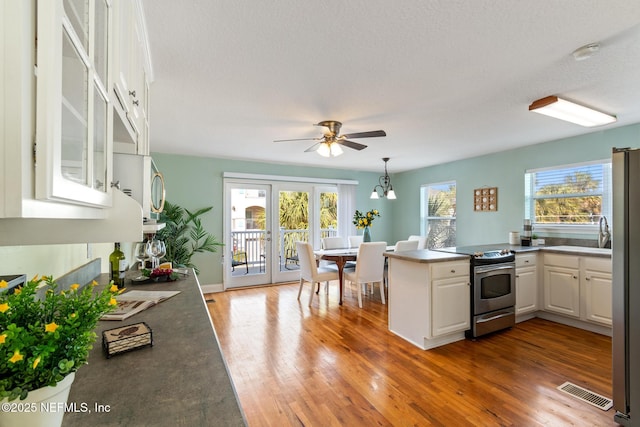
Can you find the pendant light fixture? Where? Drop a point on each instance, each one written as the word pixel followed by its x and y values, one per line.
pixel 385 185
pixel 565 110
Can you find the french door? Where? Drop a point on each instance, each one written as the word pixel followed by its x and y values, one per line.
pixel 263 220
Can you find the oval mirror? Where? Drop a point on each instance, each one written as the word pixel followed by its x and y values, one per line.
pixel 157 192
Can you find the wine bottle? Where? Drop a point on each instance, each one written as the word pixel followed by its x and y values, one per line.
pixel 118 265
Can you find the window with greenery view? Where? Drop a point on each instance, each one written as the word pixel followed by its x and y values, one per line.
pixel 569 195
pixel 438 214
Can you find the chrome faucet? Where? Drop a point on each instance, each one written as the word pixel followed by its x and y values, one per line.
pixel 603 236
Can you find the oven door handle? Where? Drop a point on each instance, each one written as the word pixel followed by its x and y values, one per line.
pixel 493 268
pixel 497 316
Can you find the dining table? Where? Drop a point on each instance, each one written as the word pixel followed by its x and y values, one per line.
pixel 340 257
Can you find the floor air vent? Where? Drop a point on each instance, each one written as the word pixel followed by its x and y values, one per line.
pixel 587 396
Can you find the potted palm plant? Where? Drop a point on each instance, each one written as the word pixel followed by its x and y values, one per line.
pixel 184 235
pixel 45 336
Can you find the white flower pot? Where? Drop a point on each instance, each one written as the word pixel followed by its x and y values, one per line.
pixel 43 407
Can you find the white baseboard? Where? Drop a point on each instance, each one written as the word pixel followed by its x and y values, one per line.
pixel 208 289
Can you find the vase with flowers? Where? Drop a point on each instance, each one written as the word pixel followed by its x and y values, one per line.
pixel 45 336
pixel 364 220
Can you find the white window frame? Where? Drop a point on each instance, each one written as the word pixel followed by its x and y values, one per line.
pixel 424 206
pixel 529 200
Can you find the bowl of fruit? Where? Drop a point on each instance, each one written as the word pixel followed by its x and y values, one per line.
pixel 160 274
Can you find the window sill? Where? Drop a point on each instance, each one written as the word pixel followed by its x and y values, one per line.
pixel 566 228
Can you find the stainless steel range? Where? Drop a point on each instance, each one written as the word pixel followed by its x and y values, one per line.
pixel 493 292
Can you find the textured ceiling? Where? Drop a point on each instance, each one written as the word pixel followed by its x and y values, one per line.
pixel 445 79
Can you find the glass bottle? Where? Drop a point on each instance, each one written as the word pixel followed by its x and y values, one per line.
pixel 118 265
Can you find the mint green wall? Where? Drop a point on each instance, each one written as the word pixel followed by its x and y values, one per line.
pixel 196 182
pixel 504 170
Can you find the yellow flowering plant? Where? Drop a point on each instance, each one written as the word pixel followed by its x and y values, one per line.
pixel 362 220
pixel 46 333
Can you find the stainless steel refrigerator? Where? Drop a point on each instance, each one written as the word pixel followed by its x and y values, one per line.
pixel 626 285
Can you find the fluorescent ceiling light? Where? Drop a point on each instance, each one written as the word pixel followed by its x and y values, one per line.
pixel 559 108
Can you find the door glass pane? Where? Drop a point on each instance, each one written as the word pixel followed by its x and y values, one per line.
pixel 74 114
pixel 100 41
pixel 328 214
pixel 99 141
pixel 294 226
pixel 248 232
pixel 78 13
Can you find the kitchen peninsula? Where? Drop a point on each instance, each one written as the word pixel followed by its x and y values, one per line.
pixel 429 292
pixel 181 380
pixel 428 297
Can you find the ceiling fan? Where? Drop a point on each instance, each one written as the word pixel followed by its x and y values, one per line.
pixel 329 144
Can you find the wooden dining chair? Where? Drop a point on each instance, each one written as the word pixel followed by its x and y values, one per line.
pixel 369 268
pixel 309 270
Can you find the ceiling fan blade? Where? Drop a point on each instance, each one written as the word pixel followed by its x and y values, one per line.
pixel 351 144
pixel 298 139
pixel 369 134
pixel 314 147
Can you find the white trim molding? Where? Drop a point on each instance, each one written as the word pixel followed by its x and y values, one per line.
pixel 239 175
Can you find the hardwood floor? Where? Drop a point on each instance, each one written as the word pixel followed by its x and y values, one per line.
pixel 332 365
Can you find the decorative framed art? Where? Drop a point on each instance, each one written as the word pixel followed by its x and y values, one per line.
pixel 485 199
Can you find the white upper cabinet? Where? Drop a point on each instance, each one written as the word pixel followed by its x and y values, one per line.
pixel 131 82
pixel 57 110
pixel 74 119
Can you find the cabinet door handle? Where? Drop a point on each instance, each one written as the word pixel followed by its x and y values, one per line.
pixel 136 102
pixel 587 278
pixel 453 271
pixel 575 277
pixel 517 276
pixel 132 93
pixel 526 261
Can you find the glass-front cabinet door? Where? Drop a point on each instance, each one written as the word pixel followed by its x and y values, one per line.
pixel 74 112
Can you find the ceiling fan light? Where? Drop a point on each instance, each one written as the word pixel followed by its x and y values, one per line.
pixel 335 149
pixel 562 109
pixel 324 150
pixel 374 194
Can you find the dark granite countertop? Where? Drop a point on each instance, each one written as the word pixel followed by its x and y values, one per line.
pixel 181 381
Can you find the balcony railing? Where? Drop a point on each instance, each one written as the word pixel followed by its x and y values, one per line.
pixel 252 243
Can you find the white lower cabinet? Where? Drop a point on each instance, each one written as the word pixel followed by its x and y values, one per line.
pixel 429 301
pixel 450 306
pixel 578 287
pixel 597 287
pixel 526 283
pixel 562 284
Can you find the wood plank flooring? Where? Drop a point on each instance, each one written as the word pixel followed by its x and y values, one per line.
pixel 332 365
